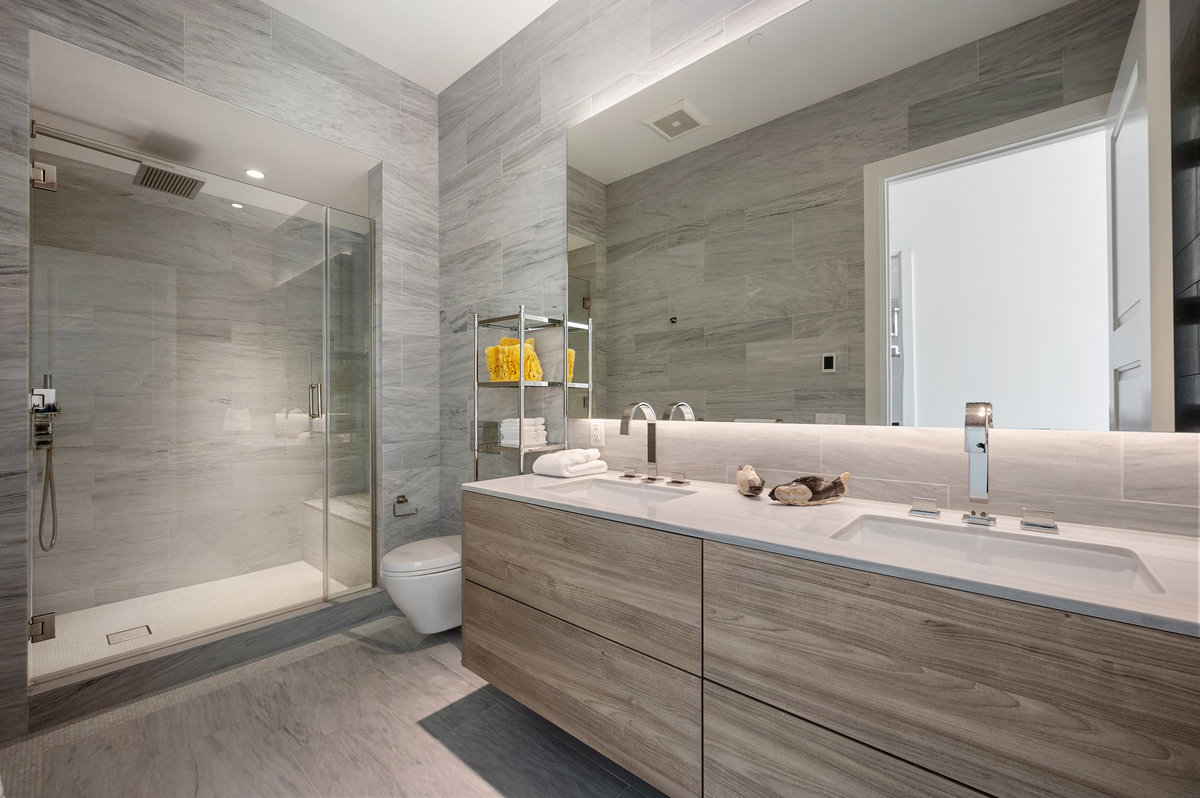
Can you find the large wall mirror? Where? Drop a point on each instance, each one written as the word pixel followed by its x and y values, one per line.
pixel 874 211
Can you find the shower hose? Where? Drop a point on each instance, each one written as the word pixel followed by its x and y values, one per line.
pixel 48 494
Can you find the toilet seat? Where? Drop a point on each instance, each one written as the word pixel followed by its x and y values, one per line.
pixel 429 556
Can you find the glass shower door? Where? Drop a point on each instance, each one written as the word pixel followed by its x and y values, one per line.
pixel 349 328
pixel 211 359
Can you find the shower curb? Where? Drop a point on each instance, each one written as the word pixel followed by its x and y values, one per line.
pixel 55 703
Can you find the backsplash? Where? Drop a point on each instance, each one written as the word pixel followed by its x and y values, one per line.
pixel 1138 480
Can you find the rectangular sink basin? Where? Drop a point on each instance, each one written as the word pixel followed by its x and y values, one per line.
pixel 1048 557
pixel 608 491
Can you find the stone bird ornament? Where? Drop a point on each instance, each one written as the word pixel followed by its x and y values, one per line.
pixel 804 491
pixel 749 483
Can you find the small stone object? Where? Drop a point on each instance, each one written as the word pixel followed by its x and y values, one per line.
pixel 804 491
pixel 749 483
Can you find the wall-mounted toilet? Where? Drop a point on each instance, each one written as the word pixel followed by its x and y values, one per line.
pixel 424 579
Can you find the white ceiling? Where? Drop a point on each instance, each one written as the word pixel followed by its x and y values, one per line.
pixel 817 51
pixel 431 42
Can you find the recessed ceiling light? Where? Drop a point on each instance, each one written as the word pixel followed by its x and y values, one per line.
pixel 257 175
pixel 237 204
pixel 756 40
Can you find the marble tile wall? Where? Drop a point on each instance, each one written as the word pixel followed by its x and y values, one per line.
pixel 588 265
pixel 1185 166
pixel 1137 480
pixel 735 268
pixel 245 53
pixel 502 167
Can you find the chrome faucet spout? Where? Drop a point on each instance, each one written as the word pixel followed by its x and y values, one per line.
pixel 648 412
pixel 684 409
pixel 977 422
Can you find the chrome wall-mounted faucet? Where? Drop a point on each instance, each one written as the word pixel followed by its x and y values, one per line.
pixel 684 409
pixel 648 412
pixel 977 421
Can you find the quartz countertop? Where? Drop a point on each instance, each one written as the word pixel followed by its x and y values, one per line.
pixel 716 511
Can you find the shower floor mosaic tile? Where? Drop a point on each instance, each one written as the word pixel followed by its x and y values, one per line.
pixel 376 710
pixel 82 636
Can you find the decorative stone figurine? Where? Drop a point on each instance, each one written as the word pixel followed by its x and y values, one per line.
pixel 803 491
pixel 749 483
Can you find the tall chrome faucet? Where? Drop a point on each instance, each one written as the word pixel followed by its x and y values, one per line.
pixel 648 412
pixel 977 422
pixel 684 409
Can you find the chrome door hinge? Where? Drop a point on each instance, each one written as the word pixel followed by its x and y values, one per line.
pixel 43 175
pixel 41 627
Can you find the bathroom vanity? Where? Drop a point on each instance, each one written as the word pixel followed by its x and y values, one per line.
pixel 718 645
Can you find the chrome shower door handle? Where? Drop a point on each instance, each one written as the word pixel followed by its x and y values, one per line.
pixel 314 400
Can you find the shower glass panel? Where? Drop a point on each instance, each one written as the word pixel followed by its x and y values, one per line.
pixel 350 553
pixel 211 364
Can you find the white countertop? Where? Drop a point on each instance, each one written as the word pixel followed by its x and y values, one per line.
pixel 716 511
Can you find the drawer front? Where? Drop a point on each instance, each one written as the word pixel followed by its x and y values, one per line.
pixel 637 586
pixel 751 748
pixel 1010 698
pixel 641 713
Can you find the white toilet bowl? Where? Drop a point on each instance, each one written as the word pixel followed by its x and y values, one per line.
pixel 424 579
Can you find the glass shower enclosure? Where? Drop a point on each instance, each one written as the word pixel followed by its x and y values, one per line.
pixel 210 358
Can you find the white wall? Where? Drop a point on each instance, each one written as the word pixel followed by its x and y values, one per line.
pixel 1009 287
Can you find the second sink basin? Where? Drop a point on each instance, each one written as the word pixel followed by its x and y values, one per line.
pixel 1048 557
pixel 609 491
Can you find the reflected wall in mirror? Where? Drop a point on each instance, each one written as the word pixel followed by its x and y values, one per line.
pixel 724 265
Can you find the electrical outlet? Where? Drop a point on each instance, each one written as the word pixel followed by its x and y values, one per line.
pixel 597 432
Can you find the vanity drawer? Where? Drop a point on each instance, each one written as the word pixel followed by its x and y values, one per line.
pixel 751 748
pixel 1009 698
pixel 637 586
pixel 641 713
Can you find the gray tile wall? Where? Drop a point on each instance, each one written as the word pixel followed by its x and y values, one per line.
pixel 502 166
pixel 1185 166
pixel 1136 480
pixel 243 52
pixel 733 269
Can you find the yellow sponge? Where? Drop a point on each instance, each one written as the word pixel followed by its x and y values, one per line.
pixel 504 361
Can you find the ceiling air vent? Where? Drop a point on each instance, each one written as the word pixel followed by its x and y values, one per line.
pixel 673 122
pixel 165 180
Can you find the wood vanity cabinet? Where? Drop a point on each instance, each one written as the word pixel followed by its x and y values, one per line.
pixel 593 624
pixel 814 679
pixel 1009 698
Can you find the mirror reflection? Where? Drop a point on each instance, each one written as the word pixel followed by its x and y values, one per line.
pixel 824 222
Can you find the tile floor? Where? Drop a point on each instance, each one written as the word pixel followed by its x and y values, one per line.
pixel 177 614
pixel 377 710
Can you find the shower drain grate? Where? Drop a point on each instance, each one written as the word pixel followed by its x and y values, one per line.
pixel 126 635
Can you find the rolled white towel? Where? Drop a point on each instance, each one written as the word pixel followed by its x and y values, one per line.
pixel 568 462
pixel 556 468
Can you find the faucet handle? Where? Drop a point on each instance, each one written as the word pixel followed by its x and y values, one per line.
pixel 679 478
pixel 1038 520
pixel 924 507
pixel 630 473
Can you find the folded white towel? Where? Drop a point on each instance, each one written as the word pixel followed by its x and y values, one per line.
pixel 557 468
pixel 530 440
pixel 529 421
pixel 527 428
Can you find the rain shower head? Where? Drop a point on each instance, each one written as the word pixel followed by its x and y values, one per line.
pixel 165 180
